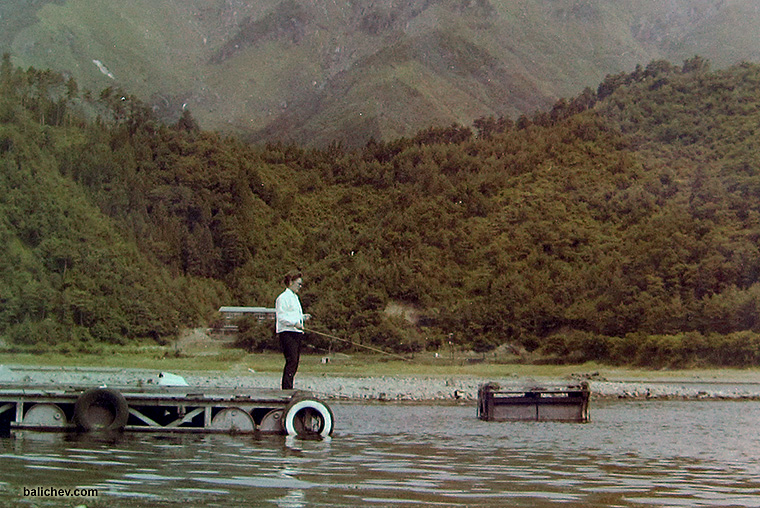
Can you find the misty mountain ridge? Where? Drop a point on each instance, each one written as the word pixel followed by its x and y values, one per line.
pixel 314 72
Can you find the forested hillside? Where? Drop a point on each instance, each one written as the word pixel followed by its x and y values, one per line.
pixel 621 226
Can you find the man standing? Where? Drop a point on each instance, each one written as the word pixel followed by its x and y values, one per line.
pixel 290 318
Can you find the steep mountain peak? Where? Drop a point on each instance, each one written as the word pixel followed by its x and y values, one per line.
pixel 316 72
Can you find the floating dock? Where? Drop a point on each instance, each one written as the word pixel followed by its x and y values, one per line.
pixel 172 409
pixel 568 404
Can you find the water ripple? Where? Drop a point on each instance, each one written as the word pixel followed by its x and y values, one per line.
pixel 663 453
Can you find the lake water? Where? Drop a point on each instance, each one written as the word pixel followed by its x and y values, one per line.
pixel 648 453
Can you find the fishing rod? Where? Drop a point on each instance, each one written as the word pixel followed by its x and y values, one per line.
pixel 356 344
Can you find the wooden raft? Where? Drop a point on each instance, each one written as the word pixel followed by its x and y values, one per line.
pixel 162 409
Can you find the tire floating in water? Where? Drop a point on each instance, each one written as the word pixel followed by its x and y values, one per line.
pixel 101 409
pixel 308 418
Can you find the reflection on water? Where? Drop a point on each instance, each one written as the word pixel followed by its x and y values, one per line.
pixel 665 453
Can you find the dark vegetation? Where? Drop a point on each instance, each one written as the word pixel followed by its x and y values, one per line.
pixel 621 226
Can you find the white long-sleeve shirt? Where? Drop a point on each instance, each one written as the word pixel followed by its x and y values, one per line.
pixel 289 312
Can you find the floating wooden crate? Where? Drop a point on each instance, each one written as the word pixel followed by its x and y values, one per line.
pixel 568 404
pixel 162 409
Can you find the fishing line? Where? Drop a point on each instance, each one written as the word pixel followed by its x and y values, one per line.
pixel 356 344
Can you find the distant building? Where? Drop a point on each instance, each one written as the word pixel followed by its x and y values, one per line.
pixel 232 313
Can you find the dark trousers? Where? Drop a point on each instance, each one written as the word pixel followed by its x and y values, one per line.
pixel 290 342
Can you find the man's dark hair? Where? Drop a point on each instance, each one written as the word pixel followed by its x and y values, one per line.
pixel 291 276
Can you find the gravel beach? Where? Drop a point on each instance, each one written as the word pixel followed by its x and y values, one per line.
pixel 392 388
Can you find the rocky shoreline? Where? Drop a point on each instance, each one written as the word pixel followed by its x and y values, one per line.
pixel 389 388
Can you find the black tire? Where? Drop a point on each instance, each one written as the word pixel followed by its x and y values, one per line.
pixel 101 409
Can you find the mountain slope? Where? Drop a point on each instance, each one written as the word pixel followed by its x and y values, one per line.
pixel 621 225
pixel 314 72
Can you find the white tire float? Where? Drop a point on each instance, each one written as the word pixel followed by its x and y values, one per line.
pixel 308 418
